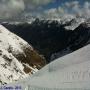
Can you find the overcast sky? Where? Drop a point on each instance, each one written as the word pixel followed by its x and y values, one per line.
pixel 45 8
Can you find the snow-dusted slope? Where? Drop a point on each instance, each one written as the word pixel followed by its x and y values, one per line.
pixel 17 58
pixel 71 72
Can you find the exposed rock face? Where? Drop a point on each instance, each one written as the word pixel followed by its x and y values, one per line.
pixel 54 38
pixel 17 58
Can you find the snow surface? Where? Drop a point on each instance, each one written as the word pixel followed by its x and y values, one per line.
pixel 71 72
pixel 11 69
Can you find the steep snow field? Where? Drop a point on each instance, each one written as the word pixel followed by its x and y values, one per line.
pixel 71 72
pixel 16 57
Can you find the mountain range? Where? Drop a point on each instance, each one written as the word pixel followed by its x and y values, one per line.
pixel 53 38
pixel 26 47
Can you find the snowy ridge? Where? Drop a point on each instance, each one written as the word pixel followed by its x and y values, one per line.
pixel 71 72
pixel 75 22
pixel 13 57
pixel 12 41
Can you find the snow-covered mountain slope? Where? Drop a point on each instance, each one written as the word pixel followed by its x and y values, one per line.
pixel 71 72
pixel 17 58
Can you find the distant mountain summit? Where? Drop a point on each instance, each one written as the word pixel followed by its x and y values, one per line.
pixel 17 58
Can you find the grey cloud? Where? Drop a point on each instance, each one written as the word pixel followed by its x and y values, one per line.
pixel 54 13
pixel 73 8
pixel 37 2
pixel 13 8
pixel 80 10
pixel 9 8
pixel 35 5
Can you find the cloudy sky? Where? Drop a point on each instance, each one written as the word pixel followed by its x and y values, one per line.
pixel 43 8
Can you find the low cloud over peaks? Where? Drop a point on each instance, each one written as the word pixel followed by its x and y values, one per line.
pixel 13 8
pixel 10 8
pixel 23 8
pixel 37 2
pixel 73 8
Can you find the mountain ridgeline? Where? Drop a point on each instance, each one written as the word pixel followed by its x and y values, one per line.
pixel 51 36
pixel 18 59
